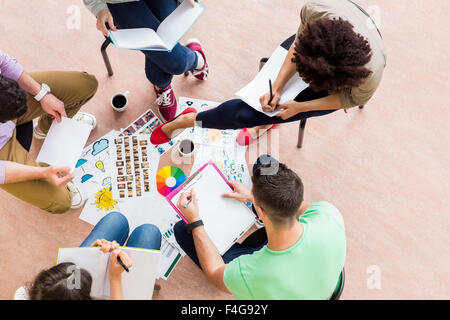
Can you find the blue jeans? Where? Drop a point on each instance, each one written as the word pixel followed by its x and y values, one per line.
pixel 160 66
pixel 186 241
pixel 114 227
pixel 236 114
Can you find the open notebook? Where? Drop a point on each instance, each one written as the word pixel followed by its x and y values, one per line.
pixel 226 220
pixel 259 86
pixel 137 284
pixel 169 32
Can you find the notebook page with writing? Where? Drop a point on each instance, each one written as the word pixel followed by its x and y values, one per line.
pixel 259 86
pixel 91 259
pixel 64 143
pixel 175 26
pixel 137 38
pixel 225 220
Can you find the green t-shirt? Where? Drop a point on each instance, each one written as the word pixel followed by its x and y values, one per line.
pixel 310 269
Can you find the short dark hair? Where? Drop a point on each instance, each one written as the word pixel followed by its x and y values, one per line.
pixel 52 284
pixel 13 100
pixel 279 194
pixel 330 56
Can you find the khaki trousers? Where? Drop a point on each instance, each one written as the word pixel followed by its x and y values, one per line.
pixel 74 89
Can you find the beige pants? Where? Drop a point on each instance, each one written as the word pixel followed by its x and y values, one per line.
pixel 74 89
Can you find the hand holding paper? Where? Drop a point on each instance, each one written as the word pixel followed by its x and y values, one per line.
pixel 59 176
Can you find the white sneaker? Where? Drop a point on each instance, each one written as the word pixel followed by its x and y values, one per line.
pixel 80 116
pixel 77 196
pixel 86 118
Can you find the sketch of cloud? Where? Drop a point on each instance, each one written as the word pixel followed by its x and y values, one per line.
pixel 80 163
pixel 86 177
pixel 99 146
pixel 107 181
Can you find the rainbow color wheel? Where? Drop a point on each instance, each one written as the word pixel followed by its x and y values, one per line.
pixel 168 179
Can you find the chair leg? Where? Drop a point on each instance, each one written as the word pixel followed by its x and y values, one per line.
pixel 262 62
pixel 301 132
pixel 105 45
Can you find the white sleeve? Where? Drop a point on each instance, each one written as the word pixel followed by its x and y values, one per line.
pixel 95 6
pixel 21 294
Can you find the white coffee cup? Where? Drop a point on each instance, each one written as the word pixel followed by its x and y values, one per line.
pixel 119 101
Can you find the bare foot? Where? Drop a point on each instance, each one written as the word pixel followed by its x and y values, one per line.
pixel 258 131
pixel 182 122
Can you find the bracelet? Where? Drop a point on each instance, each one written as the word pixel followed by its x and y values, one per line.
pixel 193 225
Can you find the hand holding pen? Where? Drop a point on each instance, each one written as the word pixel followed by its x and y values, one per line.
pixel 188 205
pixel 270 100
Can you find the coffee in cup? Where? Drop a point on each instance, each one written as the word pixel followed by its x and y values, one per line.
pixel 119 101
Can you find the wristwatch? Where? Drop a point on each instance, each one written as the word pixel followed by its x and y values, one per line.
pixel 44 90
pixel 193 225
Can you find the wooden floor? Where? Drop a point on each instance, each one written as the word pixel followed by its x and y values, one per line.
pixel 385 167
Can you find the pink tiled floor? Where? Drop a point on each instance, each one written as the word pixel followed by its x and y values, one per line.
pixel 386 167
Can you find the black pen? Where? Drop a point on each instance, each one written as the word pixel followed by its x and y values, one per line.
pixel 121 263
pixel 271 93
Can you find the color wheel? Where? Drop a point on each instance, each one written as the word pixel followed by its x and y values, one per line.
pixel 168 179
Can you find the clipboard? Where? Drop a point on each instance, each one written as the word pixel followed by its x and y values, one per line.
pixel 225 220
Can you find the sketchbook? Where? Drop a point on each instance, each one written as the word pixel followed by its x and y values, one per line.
pixel 259 86
pixel 169 32
pixel 225 220
pixel 137 284
pixel 64 143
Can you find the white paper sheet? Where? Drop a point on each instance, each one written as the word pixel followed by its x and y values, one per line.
pixel 170 256
pixel 175 26
pixel 93 171
pixel 64 143
pixel 259 86
pixel 137 38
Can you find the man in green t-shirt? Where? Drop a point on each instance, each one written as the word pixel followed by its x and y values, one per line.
pixel 303 255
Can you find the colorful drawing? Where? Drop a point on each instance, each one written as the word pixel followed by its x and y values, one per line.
pixel 100 166
pixel 104 199
pixel 214 135
pixel 168 179
pixel 169 232
pixel 86 177
pixel 80 163
pixel 99 146
pixel 107 181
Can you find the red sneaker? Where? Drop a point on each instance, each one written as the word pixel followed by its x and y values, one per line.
pixel 159 137
pixel 201 74
pixel 167 102
pixel 244 137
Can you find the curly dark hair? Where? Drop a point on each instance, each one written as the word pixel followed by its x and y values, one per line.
pixel 330 56
pixel 13 100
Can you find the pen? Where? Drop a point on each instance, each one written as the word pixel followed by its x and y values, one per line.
pixel 121 263
pixel 185 206
pixel 271 93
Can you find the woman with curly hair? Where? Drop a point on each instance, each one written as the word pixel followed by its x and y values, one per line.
pixel 338 51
